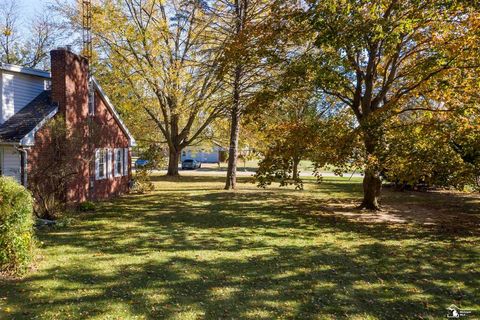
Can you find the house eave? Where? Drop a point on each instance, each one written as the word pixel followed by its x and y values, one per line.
pixel 24 70
pixel 29 139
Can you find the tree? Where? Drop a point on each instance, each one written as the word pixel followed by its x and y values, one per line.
pixel 48 180
pixel 291 126
pixel 378 57
pixel 9 16
pixel 167 61
pixel 304 126
pixel 28 49
pixel 241 24
pixel 438 146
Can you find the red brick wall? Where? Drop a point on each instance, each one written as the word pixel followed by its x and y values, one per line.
pixel 110 135
pixel 70 92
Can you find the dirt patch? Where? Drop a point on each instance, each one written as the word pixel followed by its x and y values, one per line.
pixel 439 208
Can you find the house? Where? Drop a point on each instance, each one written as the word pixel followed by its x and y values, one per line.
pixel 213 154
pixel 29 98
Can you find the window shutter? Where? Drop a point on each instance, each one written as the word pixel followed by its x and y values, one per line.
pixel 109 163
pixel 125 161
pixel 97 153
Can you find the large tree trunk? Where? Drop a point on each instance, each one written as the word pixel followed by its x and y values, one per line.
pixel 372 181
pixel 173 147
pixel 296 162
pixel 173 160
pixel 231 182
pixel 372 186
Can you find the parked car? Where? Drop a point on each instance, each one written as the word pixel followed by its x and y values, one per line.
pixel 141 163
pixel 191 164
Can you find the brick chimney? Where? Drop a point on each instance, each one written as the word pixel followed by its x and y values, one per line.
pixel 70 85
pixel 70 91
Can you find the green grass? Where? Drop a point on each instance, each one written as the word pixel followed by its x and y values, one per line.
pixel 193 251
pixel 305 166
pixel 252 165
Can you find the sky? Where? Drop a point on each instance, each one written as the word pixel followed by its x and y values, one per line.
pixel 32 6
pixel 29 8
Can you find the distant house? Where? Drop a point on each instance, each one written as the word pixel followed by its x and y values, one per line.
pixel 213 154
pixel 30 97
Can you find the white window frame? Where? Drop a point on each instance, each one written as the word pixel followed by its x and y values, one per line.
pixel 118 160
pixel 126 159
pixel 100 154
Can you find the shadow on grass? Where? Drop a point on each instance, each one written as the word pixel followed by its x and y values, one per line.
pixel 252 254
pixel 438 200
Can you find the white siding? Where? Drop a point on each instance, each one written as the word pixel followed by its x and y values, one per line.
pixel 17 90
pixel 206 156
pixel 11 163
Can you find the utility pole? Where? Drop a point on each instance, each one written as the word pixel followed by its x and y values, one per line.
pixel 87 28
pixel 88 48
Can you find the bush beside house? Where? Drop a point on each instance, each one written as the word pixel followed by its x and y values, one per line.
pixel 16 227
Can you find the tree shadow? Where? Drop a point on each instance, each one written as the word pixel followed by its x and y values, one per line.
pixel 252 254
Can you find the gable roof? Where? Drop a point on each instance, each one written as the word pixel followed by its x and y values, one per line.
pixel 23 125
pixel 28 120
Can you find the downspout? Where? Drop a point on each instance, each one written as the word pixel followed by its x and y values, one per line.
pixel 23 165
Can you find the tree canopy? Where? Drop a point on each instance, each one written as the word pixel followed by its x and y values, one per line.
pixel 385 87
pixel 385 59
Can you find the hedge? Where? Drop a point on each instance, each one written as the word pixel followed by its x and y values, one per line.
pixel 16 227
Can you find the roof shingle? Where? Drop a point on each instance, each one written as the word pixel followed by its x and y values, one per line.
pixel 24 121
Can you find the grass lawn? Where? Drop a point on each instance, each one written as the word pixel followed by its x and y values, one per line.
pixel 305 166
pixel 193 251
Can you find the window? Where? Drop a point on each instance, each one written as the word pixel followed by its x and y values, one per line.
pixel 126 159
pixel 100 164
pixel 109 163
pixel 118 162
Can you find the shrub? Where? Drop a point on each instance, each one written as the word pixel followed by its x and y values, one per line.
pixel 154 155
pixel 86 206
pixel 142 182
pixel 16 226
